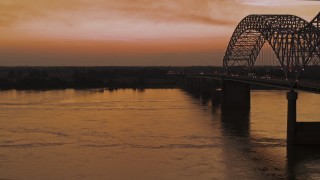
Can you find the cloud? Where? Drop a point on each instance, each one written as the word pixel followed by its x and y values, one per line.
pixel 125 19
pixel 13 11
pixel 113 19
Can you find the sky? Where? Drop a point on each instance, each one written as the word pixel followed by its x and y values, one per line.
pixel 128 32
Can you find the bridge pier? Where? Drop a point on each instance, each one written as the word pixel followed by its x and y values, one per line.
pixel 235 95
pixel 206 86
pixel 216 92
pixel 193 84
pixel 292 97
pixel 300 133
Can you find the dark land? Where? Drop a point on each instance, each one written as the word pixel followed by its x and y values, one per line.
pixel 116 77
pixel 93 77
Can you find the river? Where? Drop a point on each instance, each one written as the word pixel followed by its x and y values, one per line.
pixel 150 134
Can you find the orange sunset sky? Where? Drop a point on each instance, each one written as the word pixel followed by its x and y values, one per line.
pixel 127 32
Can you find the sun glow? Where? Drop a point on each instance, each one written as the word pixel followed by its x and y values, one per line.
pixel 124 26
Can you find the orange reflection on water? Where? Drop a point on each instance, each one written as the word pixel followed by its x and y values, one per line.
pixel 144 134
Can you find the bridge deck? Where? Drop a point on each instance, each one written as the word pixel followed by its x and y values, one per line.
pixel 309 86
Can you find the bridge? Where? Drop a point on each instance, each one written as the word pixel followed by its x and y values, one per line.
pixel 295 44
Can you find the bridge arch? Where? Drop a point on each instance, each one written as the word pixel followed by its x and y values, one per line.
pixel 294 41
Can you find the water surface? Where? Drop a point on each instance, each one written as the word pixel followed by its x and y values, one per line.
pixel 149 134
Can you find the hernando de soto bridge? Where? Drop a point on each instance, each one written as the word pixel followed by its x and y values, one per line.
pixel 295 45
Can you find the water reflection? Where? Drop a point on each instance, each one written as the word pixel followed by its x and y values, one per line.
pixel 236 122
pixel 150 134
pixel 267 152
pixel 258 151
pixel 303 162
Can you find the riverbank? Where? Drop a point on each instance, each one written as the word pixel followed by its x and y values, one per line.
pixel 28 78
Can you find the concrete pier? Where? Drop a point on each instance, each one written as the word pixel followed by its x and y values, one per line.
pixel 292 97
pixel 216 92
pixel 300 133
pixel 235 95
pixel 204 87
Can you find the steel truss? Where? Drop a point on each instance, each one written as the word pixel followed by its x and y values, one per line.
pixel 294 41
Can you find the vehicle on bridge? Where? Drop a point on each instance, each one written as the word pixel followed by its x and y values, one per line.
pixel 266 77
pixel 252 75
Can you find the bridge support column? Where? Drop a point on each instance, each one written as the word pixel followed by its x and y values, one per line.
pixel 292 97
pixel 205 88
pixel 235 95
pixel 215 92
pixel 300 133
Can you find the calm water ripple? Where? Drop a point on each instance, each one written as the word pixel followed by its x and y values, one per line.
pixel 153 134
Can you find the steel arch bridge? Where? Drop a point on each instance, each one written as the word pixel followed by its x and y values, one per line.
pixel 294 41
